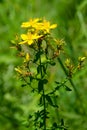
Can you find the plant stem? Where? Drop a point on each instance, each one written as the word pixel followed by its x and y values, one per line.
pixel 44 120
pixel 43 92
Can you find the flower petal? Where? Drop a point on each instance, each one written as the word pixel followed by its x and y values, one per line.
pixel 30 42
pixel 25 25
pixel 53 26
pixel 24 36
pixel 23 42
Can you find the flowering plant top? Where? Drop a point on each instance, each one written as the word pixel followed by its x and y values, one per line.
pixel 36 29
pixel 39 50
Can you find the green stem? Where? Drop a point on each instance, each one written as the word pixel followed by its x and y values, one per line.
pixel 43 92
pixel 44 120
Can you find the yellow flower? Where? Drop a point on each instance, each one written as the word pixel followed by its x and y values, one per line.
pixel 39 25
pixel 31 23
pixel 29 38
pixel 44 26
pixel 47 26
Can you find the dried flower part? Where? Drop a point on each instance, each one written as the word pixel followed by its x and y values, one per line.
pixel 18 70
pixel 27 57
pixel 67 63
pixel 81 59
pixel 70 67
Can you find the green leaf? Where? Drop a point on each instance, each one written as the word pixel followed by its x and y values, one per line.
pixel 37 56
pixel 41 99
pixel 45 81
pixel 48 98
pixel 41 124
pixel 44 69
pixel 55 125
pixel 38 69
pixel 52 63
pixel 57 82
pixel 62 122
pixel 67 88
pixel 23 85
pixel 40 85
pixel 58 87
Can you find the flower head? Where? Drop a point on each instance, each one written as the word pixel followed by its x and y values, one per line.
pixel 29 38
pixel 44 26
pixel 39 25
pixel 36 28
pixel 30 23
pixel 47 26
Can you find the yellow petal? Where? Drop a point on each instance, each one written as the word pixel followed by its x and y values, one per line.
pixel 24 36
pixel 25 25
pixel 30 42
pixel 53 26
pixel 36 20
pixel 23 42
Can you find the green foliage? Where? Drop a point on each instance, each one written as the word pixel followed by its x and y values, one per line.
pixel 15 101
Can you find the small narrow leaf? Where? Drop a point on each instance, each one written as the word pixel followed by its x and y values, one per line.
pixel 62 122
pixel 41 100
pixel 57 88
pixel 48 98
pixel 55 124
pixel 38 69
pixel 45 81
pixel 41 124
pixel 67 88
pixel 37 56
pixel 23 85
pixel 52 63
pixel 40 85
pixel 44 69
pixel 57 82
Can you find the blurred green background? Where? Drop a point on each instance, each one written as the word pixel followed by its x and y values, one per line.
pixel 16 101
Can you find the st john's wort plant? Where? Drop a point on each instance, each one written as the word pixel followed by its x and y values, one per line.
pixel 39 50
